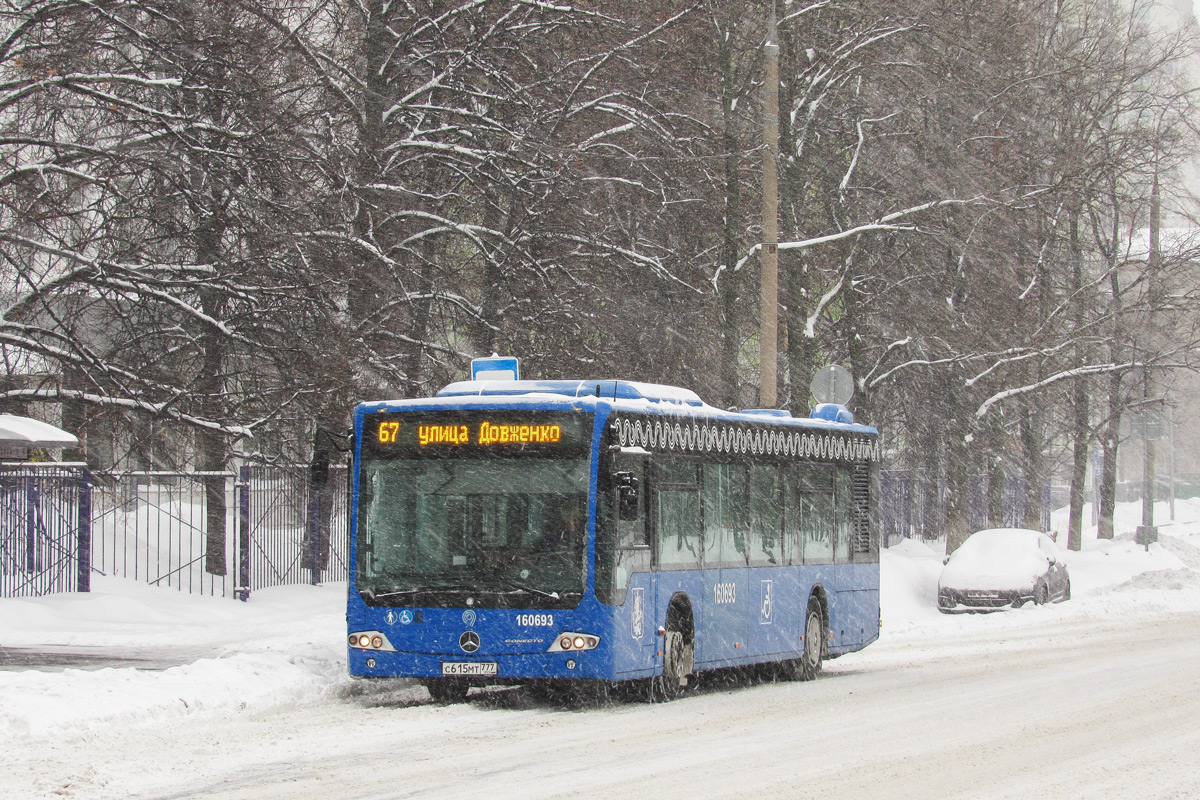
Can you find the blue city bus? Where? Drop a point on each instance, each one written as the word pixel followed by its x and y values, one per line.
pixel 549 532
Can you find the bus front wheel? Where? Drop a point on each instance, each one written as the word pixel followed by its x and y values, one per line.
pixel 678 650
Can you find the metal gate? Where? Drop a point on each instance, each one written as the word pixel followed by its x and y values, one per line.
pixel 152 527
pixel 274 526
pixel 292 527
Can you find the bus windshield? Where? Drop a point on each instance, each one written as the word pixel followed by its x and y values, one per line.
pixel 504 532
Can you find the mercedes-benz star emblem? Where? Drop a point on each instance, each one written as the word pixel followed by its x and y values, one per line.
pixel 469 642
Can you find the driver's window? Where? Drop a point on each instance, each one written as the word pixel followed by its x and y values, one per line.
pixel 622 548
pixel 631 530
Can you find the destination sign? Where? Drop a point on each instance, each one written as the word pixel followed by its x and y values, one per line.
pixel 494 431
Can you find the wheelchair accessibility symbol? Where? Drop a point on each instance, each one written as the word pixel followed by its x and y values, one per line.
pixel 404 617
pixel 765 610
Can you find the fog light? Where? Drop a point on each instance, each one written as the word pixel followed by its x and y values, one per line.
pixel 377 642
pixel 565 644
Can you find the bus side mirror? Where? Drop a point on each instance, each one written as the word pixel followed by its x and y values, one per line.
pixel 627 495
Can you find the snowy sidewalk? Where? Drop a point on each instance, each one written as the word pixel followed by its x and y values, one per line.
pixel 92 657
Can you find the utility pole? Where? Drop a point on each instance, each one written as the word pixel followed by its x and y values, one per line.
pixel 769 257
pixel 1147 532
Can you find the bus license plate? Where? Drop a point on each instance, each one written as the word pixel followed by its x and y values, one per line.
pixel 468 667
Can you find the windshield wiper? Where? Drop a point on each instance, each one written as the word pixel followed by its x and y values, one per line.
pixel 523 588
pixel 369 595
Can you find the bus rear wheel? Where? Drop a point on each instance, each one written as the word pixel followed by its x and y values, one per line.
pixel 806 667
pixel 809 663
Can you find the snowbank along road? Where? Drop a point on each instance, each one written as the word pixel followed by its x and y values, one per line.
pixel 1072 709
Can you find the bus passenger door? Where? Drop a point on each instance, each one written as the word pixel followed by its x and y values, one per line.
pixel 631 576
pixel 675 517
pixel 726 588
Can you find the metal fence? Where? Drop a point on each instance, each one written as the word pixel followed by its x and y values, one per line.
pixel 275 526
pixel 279 526
pixel 151 527
pixel 44 530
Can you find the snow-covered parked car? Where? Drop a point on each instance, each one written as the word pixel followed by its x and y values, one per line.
pixel 1002 567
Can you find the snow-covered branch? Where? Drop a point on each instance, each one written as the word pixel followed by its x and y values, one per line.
pixel 810 327
pixel 1077 372
pixel 858 148
pixel 885 223
pixel 162 409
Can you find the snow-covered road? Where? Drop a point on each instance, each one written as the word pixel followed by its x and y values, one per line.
pixel 1098 697
pixel 1070 709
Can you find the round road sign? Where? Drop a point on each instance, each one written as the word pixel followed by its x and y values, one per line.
pixel 832 384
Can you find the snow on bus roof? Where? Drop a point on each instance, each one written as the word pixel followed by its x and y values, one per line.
pixel 603 389
pixel 626 395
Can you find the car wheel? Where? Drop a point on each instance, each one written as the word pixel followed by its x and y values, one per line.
pixel 1067 591
pixel 1041 594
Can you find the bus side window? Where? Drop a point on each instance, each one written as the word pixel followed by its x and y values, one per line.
pixel 726 514
pixel 765 515
pixel 677 513
pixel 793 518
pixel 842 508
pixel 817 511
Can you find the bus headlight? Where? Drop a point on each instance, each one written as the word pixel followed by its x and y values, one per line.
pixel 571 642
pixel 370 640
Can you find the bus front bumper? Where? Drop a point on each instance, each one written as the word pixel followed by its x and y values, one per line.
pixel 479 667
